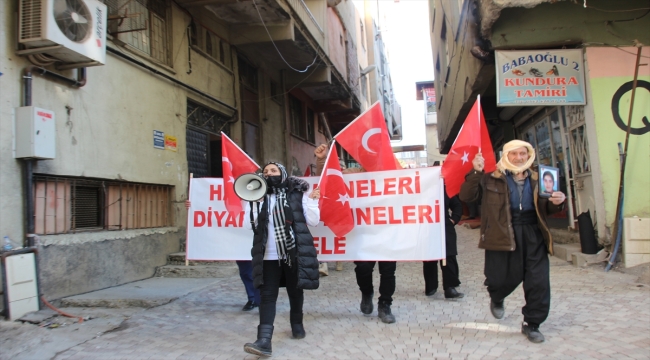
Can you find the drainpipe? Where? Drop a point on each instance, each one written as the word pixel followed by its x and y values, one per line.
pixel 27 169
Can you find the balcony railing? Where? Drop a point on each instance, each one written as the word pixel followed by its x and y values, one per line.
pixel 313 17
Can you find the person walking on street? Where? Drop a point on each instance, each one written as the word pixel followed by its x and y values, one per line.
pixel 283 251
pixel 514 232
pixel 364 269
pixel 450 272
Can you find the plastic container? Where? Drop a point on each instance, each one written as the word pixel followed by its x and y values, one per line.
pixel 8 244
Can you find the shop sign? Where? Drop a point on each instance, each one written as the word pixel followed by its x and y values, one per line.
pixel 540 77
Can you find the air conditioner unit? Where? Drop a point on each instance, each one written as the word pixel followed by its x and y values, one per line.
pixel 72 31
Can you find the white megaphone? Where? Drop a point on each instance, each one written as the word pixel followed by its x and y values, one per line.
pixel 250 187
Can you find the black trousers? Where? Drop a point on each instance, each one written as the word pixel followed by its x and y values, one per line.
pixel 529 263
pixel 272 274
pixel 364 270
pixel 449 274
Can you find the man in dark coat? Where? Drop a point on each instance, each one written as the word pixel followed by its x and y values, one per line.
pixel 514 232
pixel 450 271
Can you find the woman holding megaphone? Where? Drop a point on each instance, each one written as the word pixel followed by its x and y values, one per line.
pixel 283 250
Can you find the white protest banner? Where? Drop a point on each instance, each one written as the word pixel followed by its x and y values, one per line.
pixel 398 216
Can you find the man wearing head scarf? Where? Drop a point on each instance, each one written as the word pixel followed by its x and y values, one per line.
pixel 514 232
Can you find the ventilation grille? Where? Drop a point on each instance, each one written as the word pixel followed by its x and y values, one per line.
pixel 85 207
pixel 30 19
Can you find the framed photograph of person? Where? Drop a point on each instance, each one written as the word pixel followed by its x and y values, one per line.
pixel 549 180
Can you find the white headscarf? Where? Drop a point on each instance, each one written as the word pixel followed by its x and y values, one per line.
pixel 505 165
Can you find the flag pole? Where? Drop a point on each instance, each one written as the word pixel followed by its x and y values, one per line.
pixel 329 153
pixel 189 192
pixel 478 99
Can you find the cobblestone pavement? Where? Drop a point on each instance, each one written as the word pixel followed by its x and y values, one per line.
pixel 593 316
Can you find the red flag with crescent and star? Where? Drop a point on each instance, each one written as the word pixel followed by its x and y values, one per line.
pixel 366 139
pixel 334 202
pixel 472 138
pixel 235 162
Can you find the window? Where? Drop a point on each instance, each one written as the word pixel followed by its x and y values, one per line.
pixel 206 119
pixel 203 140
pixel 295 111
pixel 141 24
pixel 68 205
pixel 247 74
pixel 302 120
pixel 208 44
pixel 275 92
pixel 311 134
pixel 364 86
pixel 194 35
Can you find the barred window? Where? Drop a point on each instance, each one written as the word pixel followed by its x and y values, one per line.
pixel 141 24
pixel 68 205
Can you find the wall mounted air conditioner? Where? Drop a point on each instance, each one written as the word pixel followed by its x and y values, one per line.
pixel 72 31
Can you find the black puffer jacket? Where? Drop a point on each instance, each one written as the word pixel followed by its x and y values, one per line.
pixel 306 262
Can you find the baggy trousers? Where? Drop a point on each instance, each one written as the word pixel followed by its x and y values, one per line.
pixel 272 274
pixel 449 274
pixel 246 275
pixel 529 263
pixel 364 270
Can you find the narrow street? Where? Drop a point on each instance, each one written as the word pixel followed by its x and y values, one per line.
pixel 593 316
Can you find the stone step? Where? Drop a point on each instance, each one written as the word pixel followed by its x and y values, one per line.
pixel 179 259
pixel 564 251
pixel 216 269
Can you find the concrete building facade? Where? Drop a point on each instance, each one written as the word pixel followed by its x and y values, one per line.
pixel 581 140
pixel 278 77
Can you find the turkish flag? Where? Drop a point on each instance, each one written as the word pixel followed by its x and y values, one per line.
pixel 472 138
pixel 366 140
pixel 307 171
pixel 235 162
pixel 334 202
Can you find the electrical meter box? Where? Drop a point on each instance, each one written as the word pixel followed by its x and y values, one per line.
pixel 35 133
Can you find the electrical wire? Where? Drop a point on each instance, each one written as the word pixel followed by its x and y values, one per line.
pixel 276 47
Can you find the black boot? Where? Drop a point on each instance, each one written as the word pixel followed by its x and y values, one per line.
pixel 383 310
pixel 261 347
pixel 366 303
pixel 451 293
pixel 297 330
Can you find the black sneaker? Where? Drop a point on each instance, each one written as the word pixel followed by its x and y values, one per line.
pixel 451 293
pixel 431 292
pixel 532 332
pixel 366 306
pixel 384 313
pixel 249 306
pixel 497 309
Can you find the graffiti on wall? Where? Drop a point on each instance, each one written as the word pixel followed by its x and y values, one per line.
pixel 616 102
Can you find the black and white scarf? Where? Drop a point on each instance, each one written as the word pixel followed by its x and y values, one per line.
pixel 284 239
